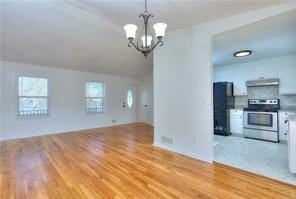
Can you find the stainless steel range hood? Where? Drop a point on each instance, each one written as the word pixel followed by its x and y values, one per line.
pixel 263 82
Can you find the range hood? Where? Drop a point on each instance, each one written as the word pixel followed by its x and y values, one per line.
pixel 263 82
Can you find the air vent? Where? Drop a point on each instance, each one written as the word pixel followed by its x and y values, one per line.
pixel 167 140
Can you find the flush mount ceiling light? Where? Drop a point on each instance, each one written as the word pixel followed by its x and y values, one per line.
pixel 242 53
pixel 148 42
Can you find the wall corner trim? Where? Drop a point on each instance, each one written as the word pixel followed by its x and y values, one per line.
pixel 183 152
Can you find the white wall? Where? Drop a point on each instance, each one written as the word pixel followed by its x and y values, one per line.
pixel 183 76
pixel 66 101
pixel 1 98
pixel 145 112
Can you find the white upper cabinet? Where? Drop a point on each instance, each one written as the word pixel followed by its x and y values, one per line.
pixel 239 82
pixel 236 76
pixel 239 87
pixel 240 74
pixel 262 72
pixel 283 68
pixel 287 80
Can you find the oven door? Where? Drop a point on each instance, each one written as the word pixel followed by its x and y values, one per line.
pixel 267 121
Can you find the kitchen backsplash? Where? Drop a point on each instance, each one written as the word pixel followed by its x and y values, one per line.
pixel 288 102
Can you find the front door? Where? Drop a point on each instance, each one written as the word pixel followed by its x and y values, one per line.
pixel 145 104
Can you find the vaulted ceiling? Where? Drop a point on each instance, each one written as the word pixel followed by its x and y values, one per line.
pixel 272 37
pixel 87 35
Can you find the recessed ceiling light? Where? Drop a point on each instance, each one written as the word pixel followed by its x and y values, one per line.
pixel 242 53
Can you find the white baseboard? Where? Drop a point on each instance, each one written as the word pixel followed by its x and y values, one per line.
pixel 58 132
pixel 183 152
pixel 150 123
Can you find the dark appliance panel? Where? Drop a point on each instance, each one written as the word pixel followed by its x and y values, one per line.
pixel 223 101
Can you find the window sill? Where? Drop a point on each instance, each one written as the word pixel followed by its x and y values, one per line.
pixel 32 117
pixel 92 113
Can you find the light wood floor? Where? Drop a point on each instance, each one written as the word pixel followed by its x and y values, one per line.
pixel 119 162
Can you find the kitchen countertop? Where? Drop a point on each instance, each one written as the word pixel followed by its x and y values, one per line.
pixel 239 107
pixel 292 118
pixel 288 108
pixel 236 109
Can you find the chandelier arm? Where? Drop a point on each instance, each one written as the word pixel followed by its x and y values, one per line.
pixel 160 43
pixel 146 51
pixel 131 43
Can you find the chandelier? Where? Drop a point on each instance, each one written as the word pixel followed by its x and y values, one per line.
pixel 148 42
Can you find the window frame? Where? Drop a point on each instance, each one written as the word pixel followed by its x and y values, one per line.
pixel 18 96
pixel 103 98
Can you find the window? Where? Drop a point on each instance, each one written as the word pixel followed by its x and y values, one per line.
pixel 32 96
pixel 94 97
pixel 129 98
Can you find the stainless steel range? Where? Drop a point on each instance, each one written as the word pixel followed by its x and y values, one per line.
pixel 261 119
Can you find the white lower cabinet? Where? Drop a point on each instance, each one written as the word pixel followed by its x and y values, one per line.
pixel 236 121
pixel 292 145
pixel 283 125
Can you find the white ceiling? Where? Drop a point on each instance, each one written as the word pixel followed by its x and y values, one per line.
pixel 87 35
pixel 272 37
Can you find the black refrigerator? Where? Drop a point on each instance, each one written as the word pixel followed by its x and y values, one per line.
pixel 223 102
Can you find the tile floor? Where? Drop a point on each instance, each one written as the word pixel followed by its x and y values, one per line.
pixel 264 158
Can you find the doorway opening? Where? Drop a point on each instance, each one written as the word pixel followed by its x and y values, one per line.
pixel 254 95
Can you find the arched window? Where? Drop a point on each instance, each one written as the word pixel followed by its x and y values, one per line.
pixel 129 98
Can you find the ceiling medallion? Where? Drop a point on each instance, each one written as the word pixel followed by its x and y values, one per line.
pixel 148 42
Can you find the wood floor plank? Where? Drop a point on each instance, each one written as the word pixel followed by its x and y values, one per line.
pixel 119 162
